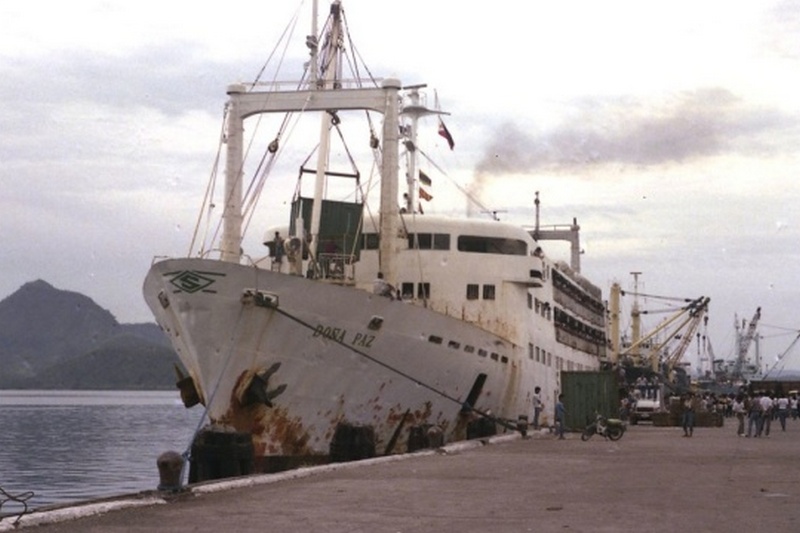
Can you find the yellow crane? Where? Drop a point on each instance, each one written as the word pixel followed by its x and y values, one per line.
pixel 680 327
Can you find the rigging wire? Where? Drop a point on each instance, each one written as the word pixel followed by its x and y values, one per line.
pixel 357 58
pixel 208 202
pixel 399 372
pixel 287 34
pixel 670 298
pixel 483 209
pixel 210 400
pixel 782 359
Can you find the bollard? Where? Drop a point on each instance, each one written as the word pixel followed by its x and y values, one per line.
pixel 170 465
pixel 522 425
pixel 435 437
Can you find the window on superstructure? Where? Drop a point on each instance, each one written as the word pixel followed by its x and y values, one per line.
pixel 420 240
pixel 482 352
pixel 549 359
pixel 538 360
pixel 530 301
pixel 469 349
pixel 494 356
pixel 454 345
pixel 473 291
pixel 488 292
pixel 407 290
pixel 491 245
pixel 429 241
pixel 530 351
pixel 423 291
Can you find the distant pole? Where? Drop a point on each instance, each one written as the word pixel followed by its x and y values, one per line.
pixel 636 324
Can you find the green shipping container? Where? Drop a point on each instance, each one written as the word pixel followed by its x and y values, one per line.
pixel 587 393
pixel 340 225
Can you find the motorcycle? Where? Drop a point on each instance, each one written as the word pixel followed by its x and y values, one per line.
pixel 610 428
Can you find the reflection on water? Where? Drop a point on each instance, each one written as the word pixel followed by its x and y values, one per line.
pixel 73 445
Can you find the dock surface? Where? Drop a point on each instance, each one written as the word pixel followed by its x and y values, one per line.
pixel 653 479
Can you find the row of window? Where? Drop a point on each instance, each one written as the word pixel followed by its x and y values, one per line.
pixel 422 291
pixel 540 355
pixel 468 348
pixel 464 243
pixel 540 307
pixel 535 353
pixel 564 285
pixel 578 328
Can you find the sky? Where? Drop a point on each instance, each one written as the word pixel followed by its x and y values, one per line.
pixel 668 129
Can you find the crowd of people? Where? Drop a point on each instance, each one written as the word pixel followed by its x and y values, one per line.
pixel 759 410
pixel 754 411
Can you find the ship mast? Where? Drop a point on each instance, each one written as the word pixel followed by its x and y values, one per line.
pixel 636 318
pixel 231 244
pixel 243 103
pixel 328 82
pixel 413 108
pixel 561 232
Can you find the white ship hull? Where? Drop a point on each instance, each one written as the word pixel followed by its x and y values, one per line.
pixel 334 366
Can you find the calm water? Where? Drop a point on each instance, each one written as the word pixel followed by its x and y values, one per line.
pixel 73 445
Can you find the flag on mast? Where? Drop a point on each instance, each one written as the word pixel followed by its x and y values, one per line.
pixel 424 195
pixel 444 132
pixel 424 179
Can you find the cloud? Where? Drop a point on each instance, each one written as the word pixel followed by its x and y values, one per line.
pixel 626 131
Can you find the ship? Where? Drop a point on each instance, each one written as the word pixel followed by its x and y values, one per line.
pixel 363 330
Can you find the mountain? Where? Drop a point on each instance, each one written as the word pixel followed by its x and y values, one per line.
pixel 51 338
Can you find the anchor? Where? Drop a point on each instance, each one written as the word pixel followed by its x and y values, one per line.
pixel 258 390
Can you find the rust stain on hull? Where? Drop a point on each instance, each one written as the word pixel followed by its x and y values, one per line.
pixel 278 437
pixel 274 431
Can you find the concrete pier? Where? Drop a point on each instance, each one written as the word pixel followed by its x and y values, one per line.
pixel 653 479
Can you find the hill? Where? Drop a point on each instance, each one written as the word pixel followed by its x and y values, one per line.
pixel 56 339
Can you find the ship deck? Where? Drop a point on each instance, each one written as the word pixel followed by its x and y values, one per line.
pixel 653 479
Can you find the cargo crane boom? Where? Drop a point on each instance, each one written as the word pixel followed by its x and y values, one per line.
pixel 745 341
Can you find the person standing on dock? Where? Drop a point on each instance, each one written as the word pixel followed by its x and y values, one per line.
pixel 753 415
pixel 561 416
pixel 782 404
pixel 538 406
pixel 739 411
pixel 766 415
pixel 688 415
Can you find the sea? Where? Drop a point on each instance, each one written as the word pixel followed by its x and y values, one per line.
pixel 69 446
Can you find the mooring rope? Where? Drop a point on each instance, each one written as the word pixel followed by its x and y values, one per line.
pixel 186 455
pixel 443 394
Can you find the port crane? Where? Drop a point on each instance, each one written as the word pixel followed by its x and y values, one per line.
pixel 745 340
pixel 676 333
